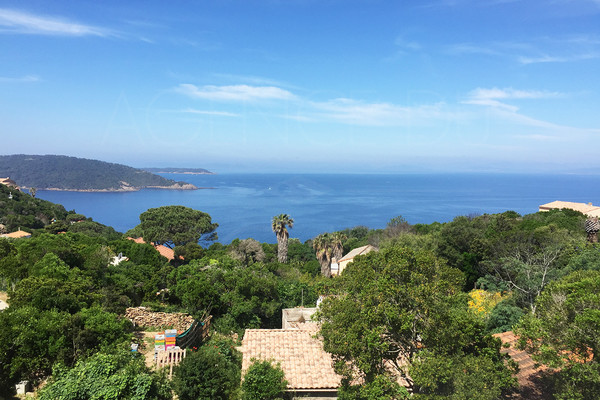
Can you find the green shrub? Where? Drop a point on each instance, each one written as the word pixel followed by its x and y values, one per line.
pixel 207 374
pixel 263 381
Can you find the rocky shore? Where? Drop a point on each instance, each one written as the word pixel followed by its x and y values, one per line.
pixel 127 188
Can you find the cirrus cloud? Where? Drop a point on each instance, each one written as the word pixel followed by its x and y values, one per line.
pixel 20 22
pixel 491 97
pixel 234 92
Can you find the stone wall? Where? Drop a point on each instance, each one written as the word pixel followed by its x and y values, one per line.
pixel 140 316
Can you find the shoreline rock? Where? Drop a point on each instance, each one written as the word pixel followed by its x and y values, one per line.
pixel 187 186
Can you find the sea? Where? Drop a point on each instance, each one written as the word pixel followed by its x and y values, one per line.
pixel 244 204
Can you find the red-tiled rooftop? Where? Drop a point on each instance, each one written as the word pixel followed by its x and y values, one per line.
pixel 16 235
pixel 164 251
pixel 581 207
pixel 301 356
pixel 529 376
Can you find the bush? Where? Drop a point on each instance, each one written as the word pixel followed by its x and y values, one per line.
pixel 504 316
pixel 207 374
pixel 107 377
pixel 263 381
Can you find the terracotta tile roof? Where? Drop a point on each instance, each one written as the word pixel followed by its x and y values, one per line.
pixel 16 235
pixel 357 252
pixel 164 251
pixel 529 376
pixel 581 207
pixel 305 364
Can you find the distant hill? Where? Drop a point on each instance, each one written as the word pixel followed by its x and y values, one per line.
pixel 192 171
pixel 52 172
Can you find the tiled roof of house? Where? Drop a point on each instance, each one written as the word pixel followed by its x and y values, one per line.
pixel 301 356
pixel 16 235
pixel 164 251
pixel 357 252
pixel 581 207
pixel 529 376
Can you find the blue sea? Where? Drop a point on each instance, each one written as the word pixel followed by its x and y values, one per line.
pixel 244 204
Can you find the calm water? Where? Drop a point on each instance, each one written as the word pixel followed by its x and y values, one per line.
pixel 243 204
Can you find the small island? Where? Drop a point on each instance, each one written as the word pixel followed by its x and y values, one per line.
pixel 64 173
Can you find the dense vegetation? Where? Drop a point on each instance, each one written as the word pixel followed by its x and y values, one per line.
pixel 430 297
pixel 71 173
pixel 169 170
pixel 20 210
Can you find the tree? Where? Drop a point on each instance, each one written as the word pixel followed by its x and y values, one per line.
pixel 176 226
pixel 323 245
pixel 564 333
pixel 108 377
pixel 248 251
pixel 263 381
pixel 32 191
pixel 279 225
pixel 337 242
pixel 207 374
pixel 391 307
pixel 528 261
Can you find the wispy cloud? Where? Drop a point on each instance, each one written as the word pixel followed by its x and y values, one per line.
pixel 562 49
pixel 209 112
pixel 406 45
pixel 558 59
pixel 248 79
pixel 22 79
pixel 356 112
pixel 468 48
pixel 492 97
pixel 20 22
pixel 509 113
pixel 234 92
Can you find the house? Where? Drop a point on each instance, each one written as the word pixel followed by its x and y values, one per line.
pixel 164 251
pixel 16 235
pixel 338 267
pixel 530 375
pixel 9 182
pixel 587 209
pixel 307 367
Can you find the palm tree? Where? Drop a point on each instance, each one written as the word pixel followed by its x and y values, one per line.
pixel 280 224
pixel 337 239
pixel 323 245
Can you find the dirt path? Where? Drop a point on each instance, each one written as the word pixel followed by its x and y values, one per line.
pixel 146 347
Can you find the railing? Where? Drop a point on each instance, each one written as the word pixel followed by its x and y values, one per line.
pixel 169 358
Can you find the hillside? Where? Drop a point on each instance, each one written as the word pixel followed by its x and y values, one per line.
pixel 53 172
pixel 19 210
pixel 191 171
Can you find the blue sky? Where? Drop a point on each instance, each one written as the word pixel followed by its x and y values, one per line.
pixel 305 86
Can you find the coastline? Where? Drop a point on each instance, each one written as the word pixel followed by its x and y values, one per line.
pixel 122 189
pixel 184 172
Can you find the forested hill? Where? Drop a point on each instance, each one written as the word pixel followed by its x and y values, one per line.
pixel 72 173
pixel 193 171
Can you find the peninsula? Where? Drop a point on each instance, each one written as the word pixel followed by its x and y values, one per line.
pixel 188 171
pixel 57 172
